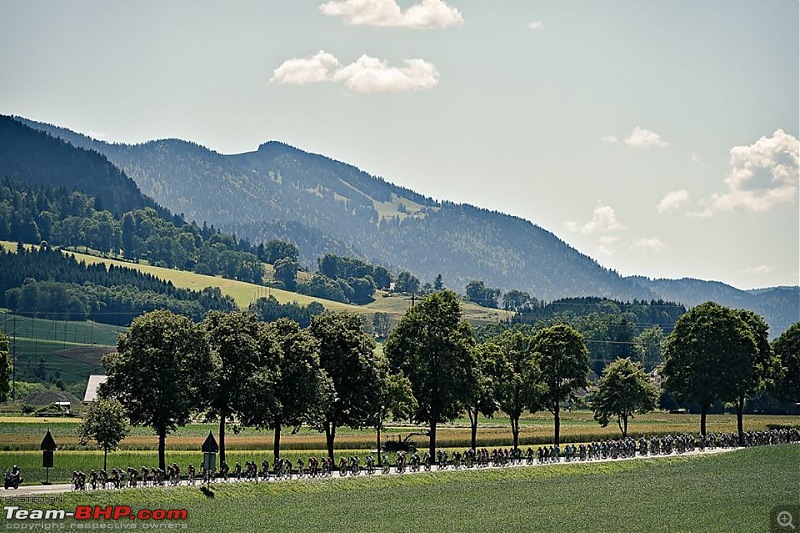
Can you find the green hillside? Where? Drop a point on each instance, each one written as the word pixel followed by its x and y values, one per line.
pixel 51 350
pixel 245 293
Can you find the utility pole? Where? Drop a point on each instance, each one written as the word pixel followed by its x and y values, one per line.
pixel 413 299
pixel 14 361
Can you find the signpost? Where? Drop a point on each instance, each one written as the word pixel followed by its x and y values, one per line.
pixel 210 449
pixel 48 447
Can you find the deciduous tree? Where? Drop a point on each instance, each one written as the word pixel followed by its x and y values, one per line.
pixel 396 399
pixel 649 347
pixel 290 388
pixel 563 360
pixel 433 346
pixel 481 398
pixel 235 356
pixel 381 325
pixel 787 350
pixel 623 390
pixel 515 375
pixel 106 423
pixel 347 355
pixel 156 372
pixel 708 357
pixel 763 365
pixel 286 272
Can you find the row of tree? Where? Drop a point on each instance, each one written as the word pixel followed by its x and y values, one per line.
pixel 278 375
pixel 720 354
pixel 330 375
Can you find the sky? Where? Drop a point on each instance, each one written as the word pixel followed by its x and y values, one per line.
pixel 658 137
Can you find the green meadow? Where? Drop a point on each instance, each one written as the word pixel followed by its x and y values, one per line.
pixel 730 492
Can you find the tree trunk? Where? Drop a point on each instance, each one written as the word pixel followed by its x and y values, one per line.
pixel 515 430
pixel 276 444
pixel 473 425
pixel 378 441
pixel 432 447
pixel 105 458
pixel 162 446
pixel 703 413
pixel 740 418
pixel 557 422
pixel 625 427
pixel 330 435
pixel 222 437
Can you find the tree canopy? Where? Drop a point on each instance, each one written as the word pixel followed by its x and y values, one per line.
pixel 433 346
pixel 235 356
pixel 563 360
pixel 156 373
pixel 347 355
pixel 515 376
pixel 106 423
pixel 787 350
pixel 623 390
pixel 290 388
pixel 709 357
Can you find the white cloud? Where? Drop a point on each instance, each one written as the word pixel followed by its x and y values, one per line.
pixel 651 244
pixel 673 200
pixel 762 175
pixel 425 15
pixel 365 75
pixel 638 138
pixel 535 25
pixel 300 71
pixel 604 220
pixel 369 75
pixel 694 158
pixel 641 138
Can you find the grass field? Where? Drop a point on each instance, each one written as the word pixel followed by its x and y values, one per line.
pixel 68 349
pixel 729 492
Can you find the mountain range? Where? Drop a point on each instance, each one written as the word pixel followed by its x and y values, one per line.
pixel 327 206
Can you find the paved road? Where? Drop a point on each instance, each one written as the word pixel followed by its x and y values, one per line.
pixel 32 490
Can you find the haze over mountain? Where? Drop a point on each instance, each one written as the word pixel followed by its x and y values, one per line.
pixel 324 205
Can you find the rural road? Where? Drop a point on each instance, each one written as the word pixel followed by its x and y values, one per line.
pixel 44 490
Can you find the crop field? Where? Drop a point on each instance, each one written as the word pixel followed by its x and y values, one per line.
pixel 20 438
pixel 729 492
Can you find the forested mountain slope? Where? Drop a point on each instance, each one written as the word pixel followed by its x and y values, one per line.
pixel 282 186
pixel 324 205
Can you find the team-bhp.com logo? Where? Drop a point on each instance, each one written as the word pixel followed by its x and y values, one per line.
pixel 17 518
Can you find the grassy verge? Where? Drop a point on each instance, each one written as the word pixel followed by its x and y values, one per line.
pixel 730 492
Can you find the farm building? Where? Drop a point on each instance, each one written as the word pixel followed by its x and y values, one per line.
pixel 95 380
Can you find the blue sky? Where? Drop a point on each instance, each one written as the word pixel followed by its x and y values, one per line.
pixel 659 137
